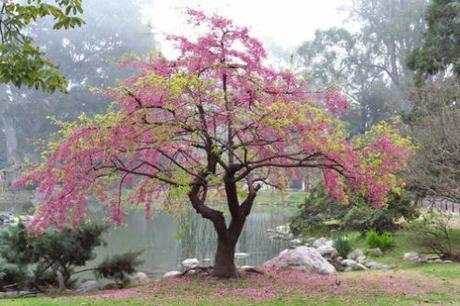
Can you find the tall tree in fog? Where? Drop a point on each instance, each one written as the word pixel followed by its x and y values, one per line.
pixel 86 57
pixel 441 43
pixel 369 64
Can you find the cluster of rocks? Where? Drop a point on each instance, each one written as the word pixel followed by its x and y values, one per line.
pixel 193 265
pixel 135 279
pixel 282 232
pixel 355 260
pixel 416 257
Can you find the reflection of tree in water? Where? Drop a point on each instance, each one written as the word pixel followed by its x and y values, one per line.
pixel 198 237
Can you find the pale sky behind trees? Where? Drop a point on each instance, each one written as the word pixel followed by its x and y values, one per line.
pixel 282 25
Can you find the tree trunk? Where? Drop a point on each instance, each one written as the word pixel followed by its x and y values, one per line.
pixel 224 264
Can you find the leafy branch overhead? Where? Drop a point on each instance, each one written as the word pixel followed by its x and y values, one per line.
pixel 21 62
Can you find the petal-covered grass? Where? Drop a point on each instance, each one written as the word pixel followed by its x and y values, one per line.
pixel 407 287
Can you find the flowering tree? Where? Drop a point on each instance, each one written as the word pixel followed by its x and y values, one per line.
pixel 213 120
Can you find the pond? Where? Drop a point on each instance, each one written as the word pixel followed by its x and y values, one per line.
pixel 167 240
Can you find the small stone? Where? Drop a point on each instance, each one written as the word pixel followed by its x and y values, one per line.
pixel 377 252
pixel 190 263
pixel 411 256
pixel 172 274
pixel 358 267
pixel 322 242
pixel 327 250
pixel 378 266
pixel 138 278
pixel 348 262
pixel 361 259
pixel 295 242
pixel 355 254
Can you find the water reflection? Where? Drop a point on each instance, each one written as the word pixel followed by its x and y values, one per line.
pixel 162 252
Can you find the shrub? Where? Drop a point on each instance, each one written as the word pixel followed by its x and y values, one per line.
pixel 13 276
pixel 343 246
pixel 434 233
pixel 118 267
pixel 382 241
pixel 315 211
pixel 363 217
pixel 53 257
pixel 357 218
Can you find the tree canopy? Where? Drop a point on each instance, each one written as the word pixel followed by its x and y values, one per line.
pixel 441 45
pixel 21 62
pixel 214 119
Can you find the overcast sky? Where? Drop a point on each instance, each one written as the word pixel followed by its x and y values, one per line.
pixel 282 25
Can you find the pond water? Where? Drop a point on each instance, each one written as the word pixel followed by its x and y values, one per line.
pixel 167 240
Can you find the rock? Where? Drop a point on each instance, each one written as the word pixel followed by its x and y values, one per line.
pixel 361 259
pixel 349 262
pixel 138 278
pixel 241 255
pixel 322 242
pixel 295 243
pixel 283 229
pixel 301 258
pixel 378 266
pixel 358 267
pixel 377 252
pixel 355 254
pixel 88 286
pixel 190 263
pixel 327 250
pixel 172 274
pixel 448 261
pixel 247 267
pixel 411 256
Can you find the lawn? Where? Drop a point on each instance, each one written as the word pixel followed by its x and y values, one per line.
pixel 428 284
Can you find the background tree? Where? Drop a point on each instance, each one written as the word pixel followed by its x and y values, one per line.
pixel 435 168
pixel 214 119
pixel 440 50
pixel 369 65
pixel 87 56
pixel 21 62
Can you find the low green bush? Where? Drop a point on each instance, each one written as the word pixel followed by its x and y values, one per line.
pixel 316 211
pixel 50 260
pixel 363 217
pixel 382 241
pixel 343 246
pixel 118 267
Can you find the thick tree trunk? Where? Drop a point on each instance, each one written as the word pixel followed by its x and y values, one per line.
pixel 224 264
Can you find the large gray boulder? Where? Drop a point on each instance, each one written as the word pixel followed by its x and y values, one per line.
pixel 301 258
